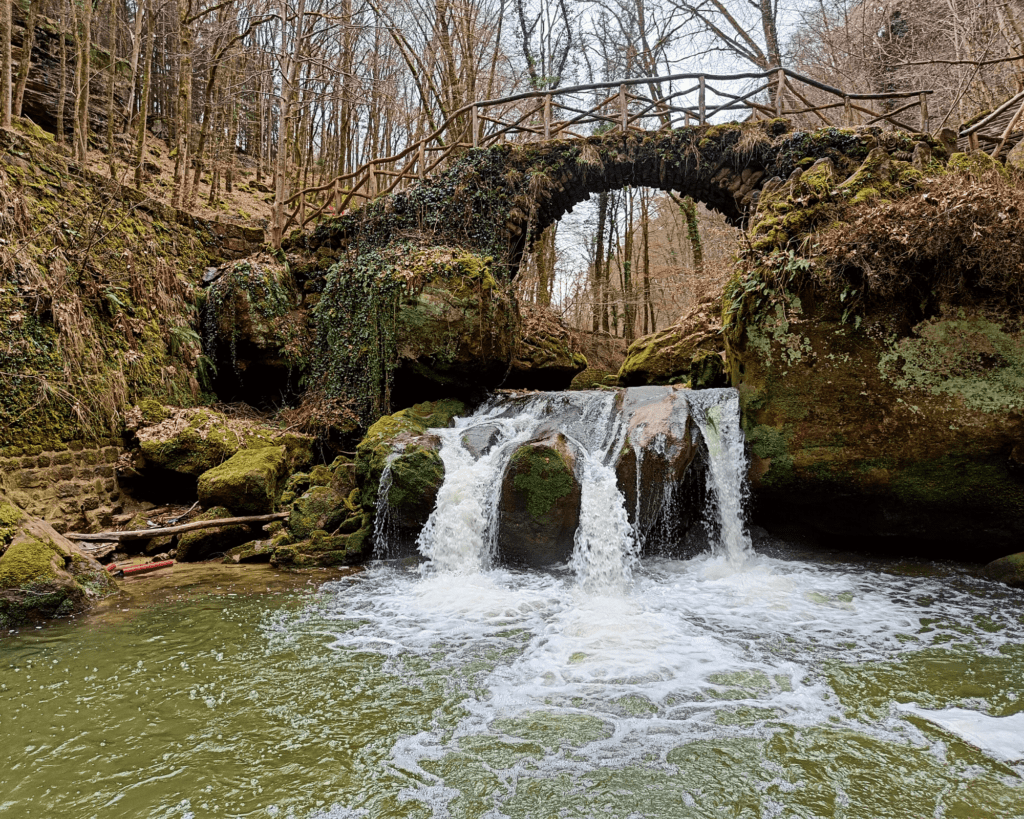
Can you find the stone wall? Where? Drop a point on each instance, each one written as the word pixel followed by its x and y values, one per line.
pixel 73 489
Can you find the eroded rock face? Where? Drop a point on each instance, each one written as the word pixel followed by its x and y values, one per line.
pixel 690 352
pixel 881 365
pixel 42 574
pixel 549 354
pixel 539 510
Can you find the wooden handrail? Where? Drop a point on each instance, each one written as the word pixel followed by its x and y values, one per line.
pixel 541 121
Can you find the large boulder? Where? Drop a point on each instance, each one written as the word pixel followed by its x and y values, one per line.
pixel 689 352
pixel 1008 570
pixel 882 378
pixel 539 509
pixel 653 468
pixel 549 354
pixel 251 481
pixel 176 446
pixel 401 446
pixel 407 324
pixel 42 574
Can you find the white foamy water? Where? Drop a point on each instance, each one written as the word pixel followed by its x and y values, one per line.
pixel 557 680
pixel 460 536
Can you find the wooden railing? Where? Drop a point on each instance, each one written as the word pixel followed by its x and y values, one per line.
pixel 641 104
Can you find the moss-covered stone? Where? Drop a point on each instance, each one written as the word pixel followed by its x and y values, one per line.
pixel 1008 570
pixel 549 354
pixel 203 543
pixel 250 480
pixel 42 574
pixel 684 353
pixel 192 441
pixel 540 504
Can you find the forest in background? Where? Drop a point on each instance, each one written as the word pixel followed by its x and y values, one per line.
pixel 300 92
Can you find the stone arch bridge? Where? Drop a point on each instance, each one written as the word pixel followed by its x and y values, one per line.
pixel 495 201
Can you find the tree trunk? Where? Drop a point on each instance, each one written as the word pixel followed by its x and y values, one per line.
pixel 25 65
pixel 5 63
pixel 147 81
pixel 62 85
pixel 596 288
pixel 83 51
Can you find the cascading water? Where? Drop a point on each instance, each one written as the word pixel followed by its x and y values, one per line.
pixel 760 685
pixel 599 426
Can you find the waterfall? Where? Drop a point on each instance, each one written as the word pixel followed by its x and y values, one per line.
pixel 717 414
pixel 652 427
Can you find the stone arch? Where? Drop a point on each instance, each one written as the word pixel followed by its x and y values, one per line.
pixel 494 201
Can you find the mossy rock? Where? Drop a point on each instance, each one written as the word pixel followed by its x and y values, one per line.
pixel 540 504
pixel 331 506
pixel 203 543
pixel 689 352
pixel 255 551
pixel 416 469
pixel 250 480
pixel 549 354
pixel 1008 570
pixel 42 574
pixel 190 442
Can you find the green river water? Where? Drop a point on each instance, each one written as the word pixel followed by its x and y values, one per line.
pixel 787 688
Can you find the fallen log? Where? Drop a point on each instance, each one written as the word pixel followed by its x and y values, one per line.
pixel 162 531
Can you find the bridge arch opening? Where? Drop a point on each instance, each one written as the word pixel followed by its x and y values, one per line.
pixel 628 261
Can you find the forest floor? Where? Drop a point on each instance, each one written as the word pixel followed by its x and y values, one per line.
pixel 245 205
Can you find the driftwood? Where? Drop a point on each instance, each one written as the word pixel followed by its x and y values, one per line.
pixel 162 531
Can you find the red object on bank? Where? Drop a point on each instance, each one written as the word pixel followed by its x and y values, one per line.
pixel 147 567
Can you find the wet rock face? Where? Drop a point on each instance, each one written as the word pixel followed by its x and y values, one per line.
pixel 653 469
pixel 540 504
pixel 883 431
pixel 401 443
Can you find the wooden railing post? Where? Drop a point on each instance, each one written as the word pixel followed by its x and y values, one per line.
pixel 780 88
pixel 847 112
pixel 924 112
pixel 476 128
pixel 421 159
pixel 302 209
pixel 623 108
pixel 547 116
pixel 700 102
pixel 337 197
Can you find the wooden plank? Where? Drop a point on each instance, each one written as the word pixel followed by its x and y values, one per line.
pixel 163 531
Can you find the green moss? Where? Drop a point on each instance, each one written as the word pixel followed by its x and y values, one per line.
pixel 310 511
pixel 972 359
pixel 415 475
pixel 10 517
pixel 769 444
pixel 960 480
pixel 543 476
pixel 29 560
pixel 153 412
pixel 976 163
pixel 249 480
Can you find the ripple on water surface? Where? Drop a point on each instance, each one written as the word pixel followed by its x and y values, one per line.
pixel 782 688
